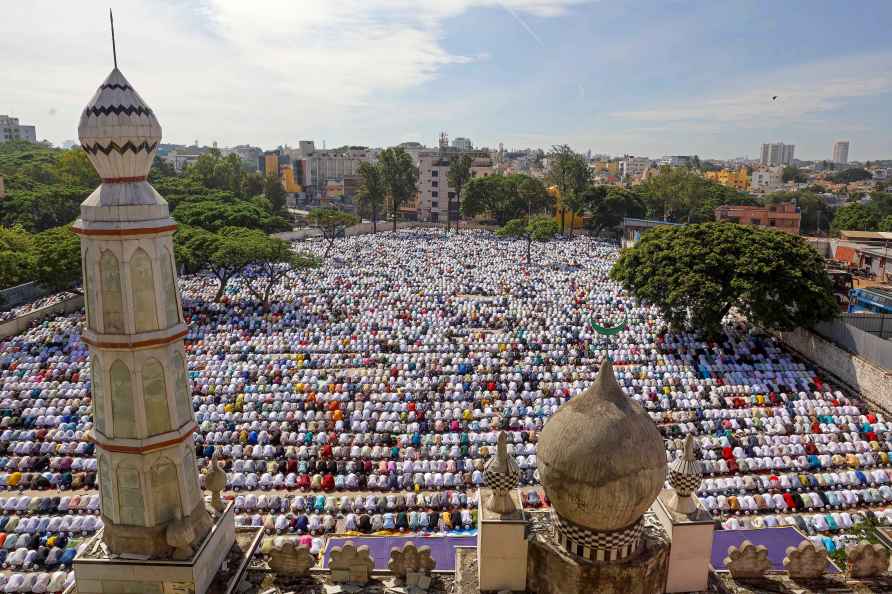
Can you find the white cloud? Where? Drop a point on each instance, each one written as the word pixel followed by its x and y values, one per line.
pixel 801 92
pixel 231 70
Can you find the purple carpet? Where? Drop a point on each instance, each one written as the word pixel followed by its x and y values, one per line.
pixel 776 539
pixel 442 547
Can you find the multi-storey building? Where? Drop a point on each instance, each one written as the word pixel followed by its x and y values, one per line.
pixel 777 153
pixel 767 179
pixel 313 168
pixel 11 129
pixel 841 151
pixel 462 144
pixel 632 168
pixel 434 191
pixel 739 179
pixel 782 217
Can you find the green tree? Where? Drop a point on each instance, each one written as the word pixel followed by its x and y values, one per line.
pixel 793 174
pixel 225 211
pixel 539 228
pixel 696 274
pixel 74 168
pixel 851 175
pixel 271 261
pixel 57 255
pixel 569 172
pixel 252 184
pixel 332 223
pixel 16 256
pixel 400 177
pixel 224 254
pixel 161 169
pixel 609 207
pixel 680 195
pixel 275 193
pixel 886 224
pixel 855 217
pixel 458 175
pixel 372 192
pixel 505 197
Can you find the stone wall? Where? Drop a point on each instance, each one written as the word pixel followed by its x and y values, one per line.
pixel 872 382
pixel 550 570
pixel 20 324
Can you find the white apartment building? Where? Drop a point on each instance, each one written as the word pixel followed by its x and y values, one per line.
pixel 462 144
pixel 632 168
pixel 777 153
pixel 841 151
pixel 434 191
pixel 319 166
pixel 767 179
pixel 10 129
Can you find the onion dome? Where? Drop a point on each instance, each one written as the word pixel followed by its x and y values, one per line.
pixel 685 474
pixel 119 131
pixel 601 459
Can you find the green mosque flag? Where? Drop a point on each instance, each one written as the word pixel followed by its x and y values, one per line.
pixel 608 331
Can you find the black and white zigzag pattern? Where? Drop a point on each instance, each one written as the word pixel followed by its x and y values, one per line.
pixel 598 546
pixel 117 86
pixel 118 110
pixel 113 146
pixel 684 483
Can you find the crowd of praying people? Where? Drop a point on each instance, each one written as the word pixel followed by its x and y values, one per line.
pixel 369 393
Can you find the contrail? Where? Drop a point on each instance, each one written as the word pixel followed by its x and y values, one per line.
pixel 522 23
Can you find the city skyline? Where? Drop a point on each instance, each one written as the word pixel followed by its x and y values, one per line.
pixel 668 78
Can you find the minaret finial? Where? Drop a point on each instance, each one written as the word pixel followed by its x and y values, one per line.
pixel 111 19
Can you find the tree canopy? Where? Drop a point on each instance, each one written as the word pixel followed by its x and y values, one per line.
pixel 851 175
pixel 696 274
pixel 505 197
pixel 372 191
pixel 400 178
pixel 57 255
pixel 680 195
pixel 458 175
pixel 539 228
pixel 856 217
pixel 16 256
pixel 332 223
pixel 609 206
pixel 569 172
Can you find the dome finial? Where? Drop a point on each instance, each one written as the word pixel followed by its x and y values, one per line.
pixel 111 19
pixel 606 386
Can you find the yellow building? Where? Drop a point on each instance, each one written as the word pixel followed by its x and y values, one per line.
pixel 288 181
pixel 611 167
pixel 739 180
pixel 271 164
pixel 571 221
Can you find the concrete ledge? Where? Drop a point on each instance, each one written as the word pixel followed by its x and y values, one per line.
pixel 20 324
pixel 859 375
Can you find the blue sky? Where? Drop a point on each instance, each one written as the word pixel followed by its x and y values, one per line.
pixel 648 78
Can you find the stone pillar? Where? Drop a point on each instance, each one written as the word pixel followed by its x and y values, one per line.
pixel 501 546
pixel 690 536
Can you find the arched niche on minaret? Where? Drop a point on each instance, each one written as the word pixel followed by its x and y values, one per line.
pixel 131 507
pixel 98 393
pixel 154 389
pixel 142 287
pixel 106 486
pixel 165 490
pixel 123 414
pixel 182 393
pixel 169 286
pixel 111 293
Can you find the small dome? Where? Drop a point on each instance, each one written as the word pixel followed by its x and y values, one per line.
pixel 601 458
pixel 119 131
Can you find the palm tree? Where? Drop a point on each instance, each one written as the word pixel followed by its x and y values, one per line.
pixel 373 190
pixel 459 173
pixel 400 178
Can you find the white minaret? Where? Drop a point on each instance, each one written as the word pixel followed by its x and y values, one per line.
pixel 142 403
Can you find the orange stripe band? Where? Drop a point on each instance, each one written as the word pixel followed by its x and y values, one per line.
pixel 134 345
pixel 121 232
pixel 148 448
